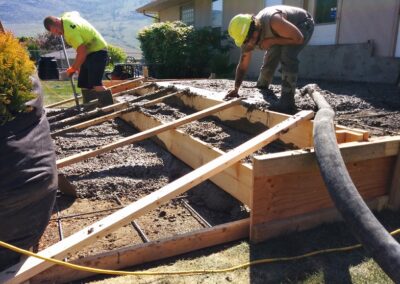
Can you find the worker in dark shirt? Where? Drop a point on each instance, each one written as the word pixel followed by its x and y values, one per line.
pixel 282 31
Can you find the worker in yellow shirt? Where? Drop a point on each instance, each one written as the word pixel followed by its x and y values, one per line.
pixel 91 58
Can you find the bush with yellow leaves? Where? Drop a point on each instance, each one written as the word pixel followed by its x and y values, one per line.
pixel 15 83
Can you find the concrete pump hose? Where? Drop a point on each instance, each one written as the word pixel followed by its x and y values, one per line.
pixel 384 249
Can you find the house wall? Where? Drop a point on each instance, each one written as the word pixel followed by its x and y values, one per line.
pixel 376 22
pixel 202 9
pixel 170 14
pixel 330 44
pixel 397 53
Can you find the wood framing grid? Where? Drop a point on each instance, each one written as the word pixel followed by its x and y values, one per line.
pixel 32 266
pixel 284 191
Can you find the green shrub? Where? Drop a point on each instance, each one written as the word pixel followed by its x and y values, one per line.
pixel 15 83
pixel 173 49
pixel 116 55
pixel 33 47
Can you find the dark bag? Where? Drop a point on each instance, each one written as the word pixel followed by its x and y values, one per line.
pixel 28 179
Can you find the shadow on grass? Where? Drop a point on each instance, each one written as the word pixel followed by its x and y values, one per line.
pixel 330 267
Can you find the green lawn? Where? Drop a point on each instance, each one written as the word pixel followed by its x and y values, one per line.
pixel 55 91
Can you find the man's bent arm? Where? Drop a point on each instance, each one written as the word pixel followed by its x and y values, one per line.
pixel 241 68
pixel 81 53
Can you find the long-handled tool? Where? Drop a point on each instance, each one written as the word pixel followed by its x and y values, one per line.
pixel 71 79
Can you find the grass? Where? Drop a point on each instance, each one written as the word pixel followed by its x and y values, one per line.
pixel 55 91
pixel 353 266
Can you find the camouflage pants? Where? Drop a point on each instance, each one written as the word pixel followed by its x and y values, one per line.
pixel 287 56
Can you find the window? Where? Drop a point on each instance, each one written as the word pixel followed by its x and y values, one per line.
pixel 216 13
pixel 187 14
pixel 268 3
pixel 325 11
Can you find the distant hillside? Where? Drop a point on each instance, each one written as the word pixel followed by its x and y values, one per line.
pixel 116 20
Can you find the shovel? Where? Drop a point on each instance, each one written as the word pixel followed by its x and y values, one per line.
pixel 71 79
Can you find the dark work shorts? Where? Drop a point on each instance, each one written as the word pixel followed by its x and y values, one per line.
pixel 92 70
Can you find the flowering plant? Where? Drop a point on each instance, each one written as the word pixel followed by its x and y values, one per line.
pixel 15 82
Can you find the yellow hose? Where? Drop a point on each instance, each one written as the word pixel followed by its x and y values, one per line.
pixel 187 272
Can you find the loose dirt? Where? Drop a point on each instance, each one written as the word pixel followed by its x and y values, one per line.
pixel 368 106
pixel 111 180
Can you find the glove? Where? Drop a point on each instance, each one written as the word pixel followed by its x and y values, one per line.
pixel 71 71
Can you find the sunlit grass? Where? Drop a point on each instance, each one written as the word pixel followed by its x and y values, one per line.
pixel 55 91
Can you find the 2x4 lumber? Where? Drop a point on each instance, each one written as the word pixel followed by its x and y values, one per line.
pixel 152 251
pixel 304 160
pixel 32 266
pixel 62 102
pixel 113 115
pixel 126 85
pixel 300 137
pixel 130 91
pixel 236 180
pixel 296 193
pixel 289 184
pixel 110 108
pixel 262 231
pixel 92 113
pixel 143 135
pixel 394 192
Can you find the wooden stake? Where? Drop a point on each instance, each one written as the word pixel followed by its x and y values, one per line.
pixel 32 266
pixel 144 135
pixel 151 251
pixel 111 116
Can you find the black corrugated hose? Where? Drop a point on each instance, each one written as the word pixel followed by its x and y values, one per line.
pixel 384 249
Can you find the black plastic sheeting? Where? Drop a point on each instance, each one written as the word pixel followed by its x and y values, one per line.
pixel 28 179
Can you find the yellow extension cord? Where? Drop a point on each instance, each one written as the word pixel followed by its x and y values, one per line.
pixel 188 272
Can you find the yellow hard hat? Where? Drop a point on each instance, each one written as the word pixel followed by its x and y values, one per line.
pixel 239 28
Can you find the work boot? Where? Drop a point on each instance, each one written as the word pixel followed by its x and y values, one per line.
pixel 286 102
pixel 264 79
pixel 87 96
pixel 104 98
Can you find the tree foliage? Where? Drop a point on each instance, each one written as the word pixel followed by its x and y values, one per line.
pixel 116 55
pixel 173 49
pixel 15 83
pixel 49 42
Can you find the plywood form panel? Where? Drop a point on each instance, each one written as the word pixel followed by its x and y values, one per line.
pixel 283 196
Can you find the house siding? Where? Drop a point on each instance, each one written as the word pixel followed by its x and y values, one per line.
pixel 361 25
pixel 376 21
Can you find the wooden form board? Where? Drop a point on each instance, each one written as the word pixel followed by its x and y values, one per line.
pixel 139 90
pixel 289 184
pixel 115 114
pixel 125 85
pixel 142 135
pixel 235 180
pixel 151 251
pixel 243 118
pixel 31 266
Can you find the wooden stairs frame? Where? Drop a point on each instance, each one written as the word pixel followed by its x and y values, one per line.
pixel 284 191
